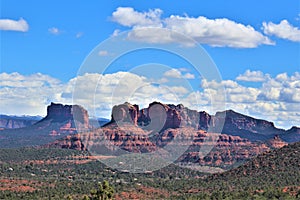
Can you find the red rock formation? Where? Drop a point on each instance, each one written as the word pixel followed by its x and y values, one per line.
pixel 152 128
pixel 72 118
pixel 276 142
pixel 125 113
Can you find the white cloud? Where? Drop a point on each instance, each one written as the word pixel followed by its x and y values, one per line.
pixel 189 76
pixel 158 35
pixel 215 32
pixel 282 88
pixel 282 77
pixel 13 25
pixel 282 30
pixel 175 73
pixel 116 33
pixel 252 76
pixel 54 31
pixel 117 88
pixel 17 80
pixel 127 16
pixel 27 94
pixel 276 99
pixel 179 90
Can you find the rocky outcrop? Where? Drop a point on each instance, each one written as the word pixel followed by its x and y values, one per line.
pixel 69 142
pixel 61 120
pixel 68 113
pixel 125 113
pixel 159 117
pixel 245 126
pixel 153 128
pixel 276 142
pixel 227 150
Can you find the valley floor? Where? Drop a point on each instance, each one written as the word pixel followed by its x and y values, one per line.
pixel 31 173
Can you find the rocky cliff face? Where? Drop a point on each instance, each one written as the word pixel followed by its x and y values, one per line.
pixel 248 127
pixel 153 128
pixel 159 117
pixel 60 121
pixel 114 140
pixel 68 113
pixel 69 118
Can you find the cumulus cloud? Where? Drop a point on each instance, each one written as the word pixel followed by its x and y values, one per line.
pixel 282 88
pixel 175 73
pixel 215 32
pixel 13 25
pixel 95 91
pixel 127 16
pixel 282 30
pixel 252 76
pixel 29 94
pixel 276 99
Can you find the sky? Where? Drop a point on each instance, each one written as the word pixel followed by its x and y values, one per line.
pixel 208 55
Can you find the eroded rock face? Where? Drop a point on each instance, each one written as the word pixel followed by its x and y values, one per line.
pixel 125 113
pixel 60 113
pixel 277 142
pixel 227 151
pixel 113 140
pixel 153 128
pixel 159 116
pixel 69 142
pixel 71 118
pixel 239 124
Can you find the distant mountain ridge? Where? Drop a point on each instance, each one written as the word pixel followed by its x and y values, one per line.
pixel 9 121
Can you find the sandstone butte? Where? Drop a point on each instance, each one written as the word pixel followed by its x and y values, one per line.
pixel 149 129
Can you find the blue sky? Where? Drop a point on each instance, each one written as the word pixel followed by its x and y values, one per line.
pixel 254 45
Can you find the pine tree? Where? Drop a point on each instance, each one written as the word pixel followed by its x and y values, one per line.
pixel 103 192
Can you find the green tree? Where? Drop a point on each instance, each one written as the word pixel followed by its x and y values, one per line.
pixel 85 197
pixel 103 192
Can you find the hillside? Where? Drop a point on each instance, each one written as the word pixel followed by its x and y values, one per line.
pixel 35 173
pixel 271 174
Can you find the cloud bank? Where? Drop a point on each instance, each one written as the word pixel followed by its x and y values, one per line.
pixel 220 32
pixel 276 98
